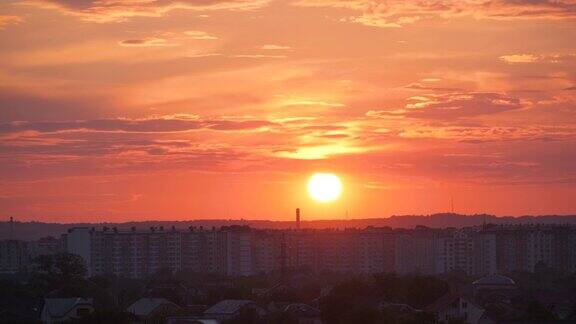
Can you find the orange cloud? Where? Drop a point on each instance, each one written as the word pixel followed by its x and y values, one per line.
pixel 275 47
pixel 520 58
pixel 533 58
pixel 453 105
pixel 398 13
pixel 146 42
pixel 121 10
pixel 200 35
pixel 162 124
pixel 9 20
pixel 259 56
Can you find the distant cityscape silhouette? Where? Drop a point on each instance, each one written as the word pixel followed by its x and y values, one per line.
pixel 354 263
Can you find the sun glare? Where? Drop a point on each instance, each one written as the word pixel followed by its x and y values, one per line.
pixel 324 187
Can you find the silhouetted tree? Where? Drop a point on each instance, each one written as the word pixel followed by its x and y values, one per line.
pixel 61 266
pixel 421 291
pixel 457 321
pixel 56 271
pixel 246 316
pixel 342 300
pixel 358 301
pixel 105 316
pixel 421 318
pixel 363 314
pixel 538 312
pixel 280 318
pixel 415 290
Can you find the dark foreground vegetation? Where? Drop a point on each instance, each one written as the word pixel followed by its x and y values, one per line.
pixel 339 298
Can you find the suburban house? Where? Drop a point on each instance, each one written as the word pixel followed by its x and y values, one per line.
pixel 454 307
pixel 59 310
pixel 305 314
pixel 231 308
pixel 152 310
pixel 494 282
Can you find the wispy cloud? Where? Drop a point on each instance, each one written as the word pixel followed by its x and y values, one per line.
pixel 273 47
pixel 452 106
pixel 520 58
pixel 122 10
pixel 6 21
pixel 146 42
pixel 200 35
pixel 161 124
pixel 318 103
pixel 398 13
pixel 259 56
pixel 533 58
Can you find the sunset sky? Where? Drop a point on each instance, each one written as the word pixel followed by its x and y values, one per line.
pixel 116 110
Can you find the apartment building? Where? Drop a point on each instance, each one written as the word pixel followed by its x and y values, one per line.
pixel 45 246
pixel 18 256
pixel 242 251
pixel 14 256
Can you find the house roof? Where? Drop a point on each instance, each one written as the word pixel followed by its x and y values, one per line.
pixel 145 306
pixel 549 297
pixel 398 308
pixel 302 310
pixel 228 306
pixel 58 307
pixel 495 280
pixel 441 302
pixel 501 311
pixel 444 301
pixel 190 320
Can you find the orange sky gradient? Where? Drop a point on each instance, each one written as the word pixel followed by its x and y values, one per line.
pixel 117 110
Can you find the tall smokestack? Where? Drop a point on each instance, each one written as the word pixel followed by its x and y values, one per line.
pixel 297 218
pixel 11 228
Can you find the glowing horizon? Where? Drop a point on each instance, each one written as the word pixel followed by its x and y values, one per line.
pixel 181 109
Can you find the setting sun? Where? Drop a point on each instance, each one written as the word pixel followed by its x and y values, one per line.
pixel 324 187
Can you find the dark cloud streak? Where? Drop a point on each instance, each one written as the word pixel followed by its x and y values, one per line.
pixel 155 125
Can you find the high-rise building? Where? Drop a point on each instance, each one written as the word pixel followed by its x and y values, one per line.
pixel 242 251
pixel 45 246
pixel 456 253
pixel 14 256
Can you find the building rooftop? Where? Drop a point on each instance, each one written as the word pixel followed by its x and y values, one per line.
pixel 302 310
pixel 145 306
pixel 227 307
pixel 446 301
pixel 58 307
pixel 495 280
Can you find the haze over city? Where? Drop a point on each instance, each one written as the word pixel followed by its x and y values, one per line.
pixel 174 110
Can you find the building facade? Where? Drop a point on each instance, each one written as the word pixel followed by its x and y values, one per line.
pixel 242 251
pixel 14 256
